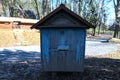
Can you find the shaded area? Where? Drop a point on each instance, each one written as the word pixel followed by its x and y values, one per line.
pixel 19 64
pixel 29 68
pixel 95 69
pixel 14 56
pixel 102 69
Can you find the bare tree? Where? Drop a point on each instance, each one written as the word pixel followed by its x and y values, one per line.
pixel 117 17
pixel 44 7
pixel 37 9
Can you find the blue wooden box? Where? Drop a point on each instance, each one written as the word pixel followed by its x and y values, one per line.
pixel 63 36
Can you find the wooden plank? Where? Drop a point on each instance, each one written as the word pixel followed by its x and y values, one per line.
pixel 63 60
pixel 45 48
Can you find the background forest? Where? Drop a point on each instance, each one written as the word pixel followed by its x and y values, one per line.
pixel 95 11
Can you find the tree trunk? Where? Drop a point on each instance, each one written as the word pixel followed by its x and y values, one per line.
pixel 98 29
pixel 94 29
pixel 44 7
pixel 36 3
pixel 99 26
pixel 3 7
pixel 79 7
pixel 117 16
pixel 116 31
pixel 52 7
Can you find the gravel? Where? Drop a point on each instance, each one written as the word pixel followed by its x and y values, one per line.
pixel 94 48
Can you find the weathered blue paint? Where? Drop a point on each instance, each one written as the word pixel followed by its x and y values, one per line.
pixel 63 49
pixel 81 43
pixel 62 45
pixel 45 45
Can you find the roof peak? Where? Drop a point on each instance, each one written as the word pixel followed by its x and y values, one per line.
pixel 66 10
pixel 62 4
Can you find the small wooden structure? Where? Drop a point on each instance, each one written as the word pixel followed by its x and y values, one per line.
pixel 63 36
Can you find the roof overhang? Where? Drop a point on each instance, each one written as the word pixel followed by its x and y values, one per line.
pixel 62 7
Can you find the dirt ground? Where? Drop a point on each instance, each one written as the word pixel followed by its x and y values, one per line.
pixel 95 69
pixel 102 67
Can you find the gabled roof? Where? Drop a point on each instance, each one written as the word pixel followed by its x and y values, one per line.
pixel 62 7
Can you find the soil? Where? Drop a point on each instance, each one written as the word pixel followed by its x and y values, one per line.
pixel 95 69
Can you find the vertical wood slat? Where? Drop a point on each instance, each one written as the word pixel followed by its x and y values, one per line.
pixel 70 60
pixel 44 49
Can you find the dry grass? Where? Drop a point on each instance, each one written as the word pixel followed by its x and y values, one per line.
pixel 115 40
pixel 6 38
pixel 30 37
pixel 114 55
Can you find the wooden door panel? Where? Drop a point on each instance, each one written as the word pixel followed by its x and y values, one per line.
pixel 62 54
pixel 63 49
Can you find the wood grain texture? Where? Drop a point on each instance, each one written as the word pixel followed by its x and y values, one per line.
pixel 63 49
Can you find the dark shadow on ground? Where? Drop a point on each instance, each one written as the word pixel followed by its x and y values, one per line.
pixel 101 69
pixel 19 65
pixel 14 56
pixel 95 69
pixel 30 69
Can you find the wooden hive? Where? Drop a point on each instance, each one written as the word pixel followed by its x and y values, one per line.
pixel 63 36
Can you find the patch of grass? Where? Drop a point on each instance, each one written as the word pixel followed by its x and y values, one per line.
pixel 114 55
pixel 6 38
pixel 115 40
pixel 31 37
